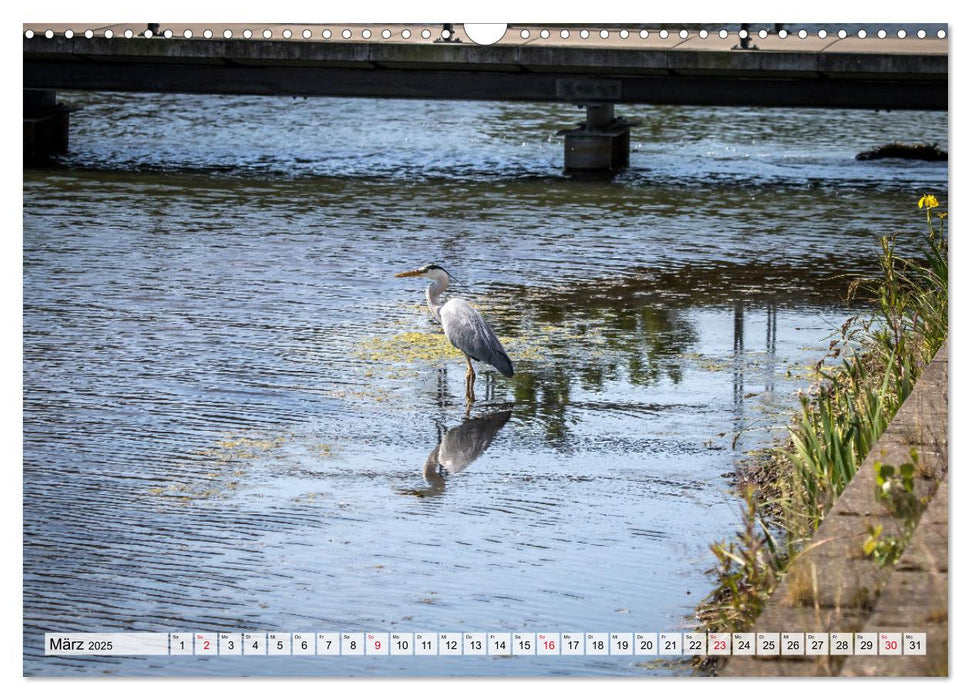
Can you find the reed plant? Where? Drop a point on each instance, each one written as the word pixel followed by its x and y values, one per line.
pixel 883 354
pixel 872 367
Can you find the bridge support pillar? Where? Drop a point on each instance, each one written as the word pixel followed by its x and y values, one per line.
pixel 45 126
pixel 600 144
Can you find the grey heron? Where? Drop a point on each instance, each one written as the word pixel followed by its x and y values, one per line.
pixel 463 325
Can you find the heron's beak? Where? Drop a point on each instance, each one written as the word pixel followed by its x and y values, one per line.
pixel 412 273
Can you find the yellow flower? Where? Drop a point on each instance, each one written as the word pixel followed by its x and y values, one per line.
pixel 928 200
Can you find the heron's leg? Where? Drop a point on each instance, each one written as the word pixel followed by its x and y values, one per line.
pixel 469 382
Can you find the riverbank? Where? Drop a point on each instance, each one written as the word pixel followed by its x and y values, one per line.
pixel 833 586
pixel 835 513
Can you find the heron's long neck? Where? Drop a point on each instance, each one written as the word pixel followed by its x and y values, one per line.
pixel 433 294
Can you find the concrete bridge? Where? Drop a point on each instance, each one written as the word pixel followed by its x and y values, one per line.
pixel 598 68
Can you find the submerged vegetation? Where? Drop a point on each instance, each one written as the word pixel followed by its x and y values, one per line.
pixel 872 368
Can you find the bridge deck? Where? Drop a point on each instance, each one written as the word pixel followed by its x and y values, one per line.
pixel 884 73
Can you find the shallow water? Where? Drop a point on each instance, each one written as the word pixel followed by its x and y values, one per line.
pixel 237 419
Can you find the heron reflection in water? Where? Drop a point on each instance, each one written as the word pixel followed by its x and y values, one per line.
pixel 459 447
pixel 464 327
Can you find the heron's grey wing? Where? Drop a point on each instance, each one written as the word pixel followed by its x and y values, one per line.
pixel 469 332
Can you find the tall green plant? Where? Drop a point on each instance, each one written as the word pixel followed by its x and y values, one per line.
pixel 856 400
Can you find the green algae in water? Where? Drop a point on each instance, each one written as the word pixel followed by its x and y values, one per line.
pixel 223 466
pixel 408 347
